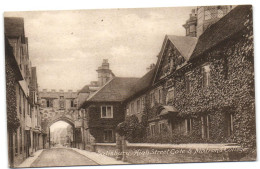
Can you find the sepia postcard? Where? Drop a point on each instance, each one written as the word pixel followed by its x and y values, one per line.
pixel 130 86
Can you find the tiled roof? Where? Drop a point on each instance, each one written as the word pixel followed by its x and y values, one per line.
pixel 14 26
pixel 143 83
pixel 223 29
pixel 117 89
pixel 85 89
pixel 184 44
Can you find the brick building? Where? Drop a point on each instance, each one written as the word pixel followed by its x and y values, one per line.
pixel 104 110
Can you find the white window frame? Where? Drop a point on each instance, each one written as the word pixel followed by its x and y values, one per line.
pixel 101 111
pixel 207 73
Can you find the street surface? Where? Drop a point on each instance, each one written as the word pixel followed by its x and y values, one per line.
pixel 61 157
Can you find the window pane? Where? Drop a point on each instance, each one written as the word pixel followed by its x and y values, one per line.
pixel 109 112
pixel 207 15
pixel 104 111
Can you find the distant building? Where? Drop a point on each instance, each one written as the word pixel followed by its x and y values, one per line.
pixel 104 75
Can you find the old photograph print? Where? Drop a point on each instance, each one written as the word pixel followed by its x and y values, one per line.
pixel 130 86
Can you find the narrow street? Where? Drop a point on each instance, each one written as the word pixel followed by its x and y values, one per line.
pixel 61 157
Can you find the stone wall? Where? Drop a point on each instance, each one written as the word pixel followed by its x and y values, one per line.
pixel 139 153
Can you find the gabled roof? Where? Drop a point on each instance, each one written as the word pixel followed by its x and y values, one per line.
pixel 184 44
pixel 117 89
pixel 14 26
pixel 143 83
pixel 227 26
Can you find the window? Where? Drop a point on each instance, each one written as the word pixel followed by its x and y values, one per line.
pixel 229 122
pixel 106 112
pixel 142 103
pixel 188 125
pixel 207 15
pixel 160 96
pixel 138 105
pixel 132 108
pixel 71 103
pixel 21 140
pixel 48 103
pixel 220 13
pixel 152 129
pixel 188 82
pixel 16 143
pixel 170 95
pixel 108 135
pixel 20 101
pixel 24 106
pixel 62 104
pixel 162 127
pixel 152 98
pixel 206 75
pixel 205 121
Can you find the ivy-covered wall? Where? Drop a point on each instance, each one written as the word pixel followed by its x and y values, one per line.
pixel 11 82
pixel 231 91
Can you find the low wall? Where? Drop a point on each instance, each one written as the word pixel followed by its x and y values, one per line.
pixel 140 153
pixel 108 149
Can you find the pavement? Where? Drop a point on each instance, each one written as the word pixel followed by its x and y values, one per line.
pixel 56 157
pixel 99 158
pixel 27 163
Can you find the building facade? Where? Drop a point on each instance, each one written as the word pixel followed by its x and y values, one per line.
pixel 195 96
pixel 105 109
pixel 57 106
pixel 25 113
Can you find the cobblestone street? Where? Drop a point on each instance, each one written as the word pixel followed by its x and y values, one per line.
pixel 61 157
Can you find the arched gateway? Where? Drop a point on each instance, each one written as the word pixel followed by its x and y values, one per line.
pixel 57 106
pixel 53 117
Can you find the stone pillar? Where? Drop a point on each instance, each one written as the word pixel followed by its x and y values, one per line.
pixel 119 146
pixel 124 148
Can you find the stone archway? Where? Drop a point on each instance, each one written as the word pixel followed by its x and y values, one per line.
pixel 64 118
pixel 51 116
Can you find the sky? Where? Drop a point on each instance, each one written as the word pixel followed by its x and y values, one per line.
pixel 68 46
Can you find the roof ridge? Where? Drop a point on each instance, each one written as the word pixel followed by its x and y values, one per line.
pixel 100 88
